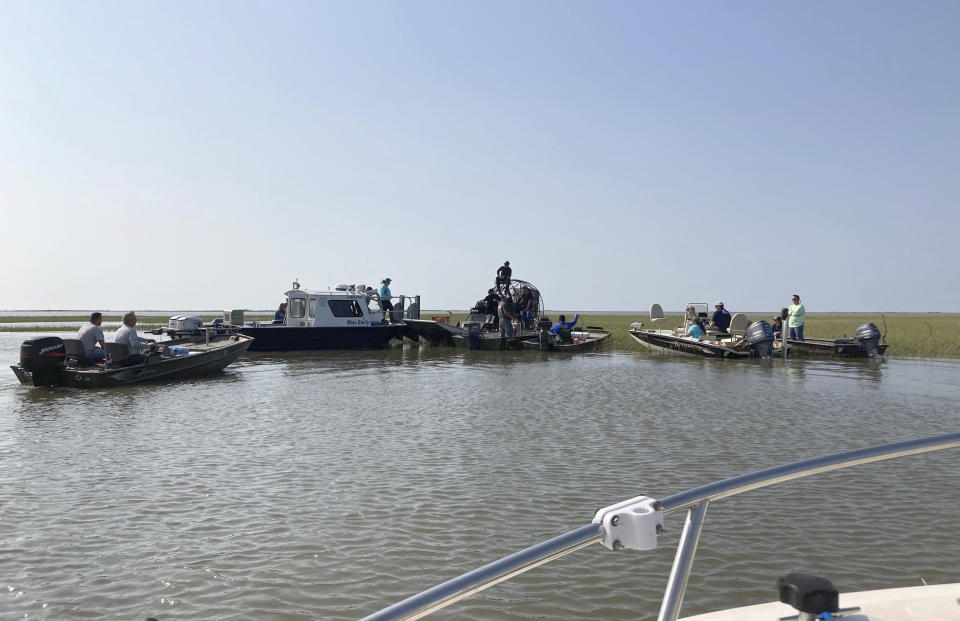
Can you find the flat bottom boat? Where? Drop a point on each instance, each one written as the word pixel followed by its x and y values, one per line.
pixel 847 348
pixel 588 339
pixel 43 362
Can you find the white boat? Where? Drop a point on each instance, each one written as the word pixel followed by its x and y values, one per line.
pixel 636 524
pixel 344 317
pixel 743 340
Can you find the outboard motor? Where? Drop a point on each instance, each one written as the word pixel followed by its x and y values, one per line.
pixel 760 338
pixel 473 329
pixel 43 357
pixel 546 337
pixel 868 335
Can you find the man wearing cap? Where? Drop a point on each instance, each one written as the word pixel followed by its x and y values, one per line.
pixel 721 317
pixel 503 276
pixel 798 315
pixel 384 293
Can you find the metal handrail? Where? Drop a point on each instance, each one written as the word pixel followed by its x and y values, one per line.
pixel 694 500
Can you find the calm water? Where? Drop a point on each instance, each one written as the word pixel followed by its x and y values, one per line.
pixel 326 486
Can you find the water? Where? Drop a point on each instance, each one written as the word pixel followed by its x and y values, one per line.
pixel 328 485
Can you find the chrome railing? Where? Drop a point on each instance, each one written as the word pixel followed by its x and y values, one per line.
pixel 695 501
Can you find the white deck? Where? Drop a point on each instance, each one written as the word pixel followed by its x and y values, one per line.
pixel 932 603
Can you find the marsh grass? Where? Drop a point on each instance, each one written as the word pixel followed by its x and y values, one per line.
pixel 921 336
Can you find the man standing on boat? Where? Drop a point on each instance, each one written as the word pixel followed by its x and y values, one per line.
pixel 721 317
pixel 127 334
pixel 507 313
pixel 798 316
pixel 91 335
pixel 503 276
pixel 384 293
pixel 281 315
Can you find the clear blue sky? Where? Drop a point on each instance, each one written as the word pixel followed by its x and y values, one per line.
pixel 204 154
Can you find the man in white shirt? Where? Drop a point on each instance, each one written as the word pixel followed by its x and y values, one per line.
pixel 91 335
pixel 127 334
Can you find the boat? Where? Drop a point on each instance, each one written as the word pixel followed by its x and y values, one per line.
pixel 744 340
pixel 589 338
pixel 637 524
pixel 865 344
pixel 53 361
pixel 345 317
pixel 480 330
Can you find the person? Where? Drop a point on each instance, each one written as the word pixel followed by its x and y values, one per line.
pixel 127 334
pixel 384 293
pixel 562 328
pixel 503 276
pixel 563 323
pixel 491 302
pixel 777 327
pixel 798 316
pixel 507 315
pixel 91 335
pixel 281 315
pixel 525 306
pixel 690 317
pixel 721 317
pixel 696 329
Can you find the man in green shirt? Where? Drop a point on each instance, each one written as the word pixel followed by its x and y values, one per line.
pixel 798 315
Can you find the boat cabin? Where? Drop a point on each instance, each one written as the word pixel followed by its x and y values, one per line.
pixel 343 306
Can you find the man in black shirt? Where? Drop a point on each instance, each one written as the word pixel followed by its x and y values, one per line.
pixel 721 317
pixel 503 276
pixel 490 302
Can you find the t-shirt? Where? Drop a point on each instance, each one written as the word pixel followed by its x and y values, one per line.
pixel 128 336
pixel 721 319
pixel 384 292
pixel 798 314
pixel 506 306
pixel 695 331
pixel 90 335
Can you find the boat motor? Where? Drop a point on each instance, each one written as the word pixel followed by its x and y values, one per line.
pixel 868 335
pixel 760 338
pixel 43 357
pixel 545 336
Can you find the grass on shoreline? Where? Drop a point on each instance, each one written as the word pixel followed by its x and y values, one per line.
pixel 908 336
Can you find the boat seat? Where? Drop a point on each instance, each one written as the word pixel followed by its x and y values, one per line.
pixel 738 324
pixel 117 352
pixel 656 314
pixel 75 353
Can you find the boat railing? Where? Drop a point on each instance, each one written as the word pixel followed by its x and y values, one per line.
pixel 640 516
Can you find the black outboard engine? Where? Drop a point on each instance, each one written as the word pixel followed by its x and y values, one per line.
pixel 760 338
pixel 546 337
pixel 43 357
pixel 868 335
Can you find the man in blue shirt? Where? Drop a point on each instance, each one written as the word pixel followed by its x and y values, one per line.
pixel 281 315
pixel 562 328
pixel 721 317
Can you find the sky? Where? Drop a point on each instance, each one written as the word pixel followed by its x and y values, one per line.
pixel 203 155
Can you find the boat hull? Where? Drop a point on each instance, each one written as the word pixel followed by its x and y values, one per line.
pixel 288 338
pixel 489 341
pixel 594 341
pixel 212 359
pixel 848 348
pixel 659 342
pixel 433 332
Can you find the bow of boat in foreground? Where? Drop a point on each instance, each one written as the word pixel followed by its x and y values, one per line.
pixel 637 524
